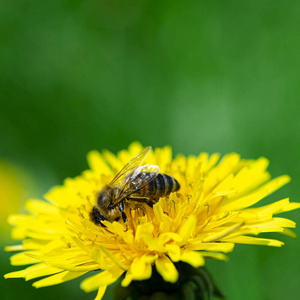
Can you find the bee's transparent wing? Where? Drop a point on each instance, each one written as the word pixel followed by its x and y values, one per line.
pixel 136 180
pixel 131 166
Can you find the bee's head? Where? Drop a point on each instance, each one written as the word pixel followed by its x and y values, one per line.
pixel 106 208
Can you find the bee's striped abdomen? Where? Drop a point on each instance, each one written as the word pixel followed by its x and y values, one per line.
pixel 163 185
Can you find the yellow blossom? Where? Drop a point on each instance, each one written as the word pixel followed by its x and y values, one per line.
pixel 204 219
pixel 13 185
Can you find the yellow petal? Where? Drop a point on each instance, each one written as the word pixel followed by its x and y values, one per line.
pixel 127 279
pixel 18 233
pixel 36 205
pixel 289 233
pixel 193 258
pixel 152 243
pixel 113 160
pixel 251 176
pixel 142 229
pixel 41 270
pixel 34 244
pixel 188 228
pixel 166 269
pixel 97 256
pixel 219 247
pixel 254 241
pixel 167 236
pixel 103 278
pixel 270 208
pixel 14 248
pixel 220 234
pixel 23 259
pixel 158 212
pixel 290 206
pixel 57 278
pixel 255 196
pixel 174 252
pixel 181 210
pixel 141 267
pixel 97 163
pixel 114 258
pixel 213 159
pixel 219 256
pixel 16 274
pixel 101 292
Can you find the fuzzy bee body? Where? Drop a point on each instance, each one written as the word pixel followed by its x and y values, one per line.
pixel 133 185
pixel 160 186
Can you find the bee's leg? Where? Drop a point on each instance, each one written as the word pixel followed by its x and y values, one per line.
pixel 149 202
pixel 99 219
pixel 122 212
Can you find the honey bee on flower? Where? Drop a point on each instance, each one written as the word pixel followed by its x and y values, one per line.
pixel 126 230
pixel 132 186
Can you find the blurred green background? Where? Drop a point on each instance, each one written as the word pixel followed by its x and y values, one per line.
pixel 216 76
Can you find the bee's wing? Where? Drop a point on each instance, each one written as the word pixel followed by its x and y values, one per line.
pixel 131 166
pixel 136 180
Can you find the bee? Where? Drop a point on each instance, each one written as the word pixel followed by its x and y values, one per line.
pixel 133 186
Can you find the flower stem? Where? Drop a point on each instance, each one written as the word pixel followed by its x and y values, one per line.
pixel 193 284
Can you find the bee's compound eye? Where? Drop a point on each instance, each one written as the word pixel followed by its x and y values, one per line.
pixel 103 199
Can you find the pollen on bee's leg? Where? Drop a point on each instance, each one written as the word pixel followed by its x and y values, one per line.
pixel 102 225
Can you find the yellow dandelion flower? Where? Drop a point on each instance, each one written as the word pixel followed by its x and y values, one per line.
pixel 14 183
pixel 206 217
